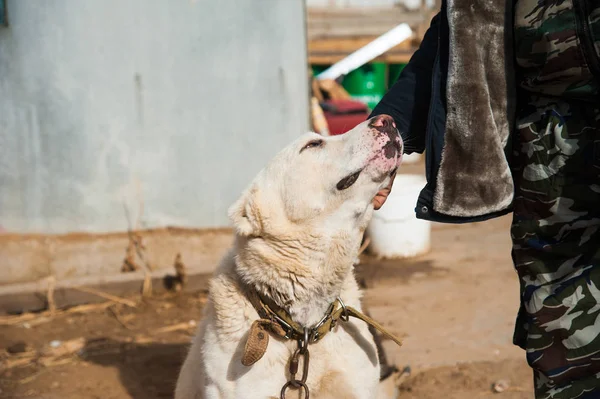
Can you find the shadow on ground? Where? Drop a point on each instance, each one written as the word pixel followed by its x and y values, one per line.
pixel 146 371
pixel 373 272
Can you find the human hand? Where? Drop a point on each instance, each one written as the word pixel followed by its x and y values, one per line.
pixel 382 195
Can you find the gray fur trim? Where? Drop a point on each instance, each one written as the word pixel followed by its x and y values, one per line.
pixel 474 176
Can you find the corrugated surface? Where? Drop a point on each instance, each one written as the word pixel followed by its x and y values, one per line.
pixel 166 106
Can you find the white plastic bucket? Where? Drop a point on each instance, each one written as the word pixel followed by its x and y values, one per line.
pixel 394 231
pixel 409 159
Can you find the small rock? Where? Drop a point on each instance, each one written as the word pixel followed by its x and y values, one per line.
pixel 500 386
pixel 55 344
pixel 18 347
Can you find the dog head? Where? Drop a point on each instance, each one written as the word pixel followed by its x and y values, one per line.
pixel 321 184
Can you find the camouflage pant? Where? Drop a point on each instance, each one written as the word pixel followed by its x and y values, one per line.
pixel 556 226
pixel 556 244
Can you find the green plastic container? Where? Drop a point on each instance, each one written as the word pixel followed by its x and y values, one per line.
pixel 317 68
pixel 367 84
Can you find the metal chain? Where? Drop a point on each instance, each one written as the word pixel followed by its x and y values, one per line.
pixel 293 382
pixel 309 337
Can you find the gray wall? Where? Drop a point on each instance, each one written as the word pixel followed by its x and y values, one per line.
pixel 410 4
pixel 166 106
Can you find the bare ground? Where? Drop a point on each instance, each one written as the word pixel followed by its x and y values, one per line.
pixel 455 307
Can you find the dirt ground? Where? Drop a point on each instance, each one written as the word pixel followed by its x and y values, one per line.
pixel 455 307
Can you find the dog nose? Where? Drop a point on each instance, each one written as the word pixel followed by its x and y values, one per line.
pixel 382 122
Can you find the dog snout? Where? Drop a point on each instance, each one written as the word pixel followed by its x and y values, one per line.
pixel 386 135
pixel 383 123
pixel 384 126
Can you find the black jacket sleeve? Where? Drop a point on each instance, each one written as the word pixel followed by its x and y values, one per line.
pixel 408 99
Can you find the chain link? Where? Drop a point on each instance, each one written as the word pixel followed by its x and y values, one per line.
pixel 293 382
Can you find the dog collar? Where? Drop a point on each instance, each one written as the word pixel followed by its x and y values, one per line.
pixel 278 321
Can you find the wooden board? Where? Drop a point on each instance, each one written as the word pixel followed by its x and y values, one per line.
pixel 334 33
pixel 357 22
pixel 349 44
pixel 332 58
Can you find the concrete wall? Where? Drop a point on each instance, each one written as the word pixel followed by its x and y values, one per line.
pixel 166 106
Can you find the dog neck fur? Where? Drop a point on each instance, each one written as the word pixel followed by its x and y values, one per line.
pixel 301 269
pixel 303 276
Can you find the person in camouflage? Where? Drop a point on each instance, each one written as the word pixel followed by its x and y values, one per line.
pixel 556 218
pixel 555 160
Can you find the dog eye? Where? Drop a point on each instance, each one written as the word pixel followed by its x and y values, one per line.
pixel 312 144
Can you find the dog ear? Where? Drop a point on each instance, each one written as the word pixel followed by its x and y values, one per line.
pixel 245 215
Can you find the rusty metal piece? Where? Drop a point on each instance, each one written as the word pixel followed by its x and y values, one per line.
pixel 289 384
pixel 294 365
pixel 344 316
pixel 295 383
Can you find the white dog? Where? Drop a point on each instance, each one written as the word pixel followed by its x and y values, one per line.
pixel 299 228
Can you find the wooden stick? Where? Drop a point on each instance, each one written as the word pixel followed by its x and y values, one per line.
pixel 50 295
pixel 17 362
pixel 104 295
pixel 25 317
pixel 89 307
pixel 11 320
pixel 32 377
pixel 118 318
pixel 175 327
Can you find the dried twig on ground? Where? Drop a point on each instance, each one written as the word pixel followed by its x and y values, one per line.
pixel 147 284
pixel 105 295
pixel 16 319
pixel 56 353
pixel 89 307
pixel 32 318
pixel 50 295
pixel 175 327
pixel 17 361
pixel 31 377
pixel 118 318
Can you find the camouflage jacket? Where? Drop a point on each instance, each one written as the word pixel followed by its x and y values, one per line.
pixel 456 101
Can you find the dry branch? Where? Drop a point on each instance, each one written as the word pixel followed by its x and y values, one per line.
pixel 109 297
